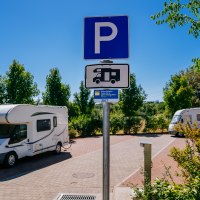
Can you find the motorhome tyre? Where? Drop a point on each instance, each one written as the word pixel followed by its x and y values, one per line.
pixel 113 81
pixel 10 159
pixel 58 148
pixel 97 81
pixel 181 134
pixel 177 134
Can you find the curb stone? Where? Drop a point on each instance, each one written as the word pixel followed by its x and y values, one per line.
pixel 124 193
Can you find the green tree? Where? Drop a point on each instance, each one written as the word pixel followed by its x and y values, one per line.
pixel 83 100
pixel 20 86
pixel 56 92
pixel 178 93
pixel 131 100
pixel 193 77
pixel 180 13
pixel 2 90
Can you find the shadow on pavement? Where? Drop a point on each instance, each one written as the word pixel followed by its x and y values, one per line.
pixel 29 164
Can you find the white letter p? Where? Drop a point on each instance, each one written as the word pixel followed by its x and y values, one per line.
pixel 99 38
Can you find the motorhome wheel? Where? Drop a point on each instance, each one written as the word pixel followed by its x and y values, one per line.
pixel 180 134
pixel 58 148
pixel 10 159
pixel 112 81
pixel 97 81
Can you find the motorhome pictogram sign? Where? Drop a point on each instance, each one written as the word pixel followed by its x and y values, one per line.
pixel 107 76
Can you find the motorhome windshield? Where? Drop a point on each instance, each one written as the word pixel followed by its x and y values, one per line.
pixel 6 130
pixel 175 119
pixel 9 130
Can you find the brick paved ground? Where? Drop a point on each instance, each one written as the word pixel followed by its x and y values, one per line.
pixel 158 169
pixel 77 171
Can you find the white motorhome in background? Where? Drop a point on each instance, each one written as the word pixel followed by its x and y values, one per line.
pixel 27 130
pixel 189 115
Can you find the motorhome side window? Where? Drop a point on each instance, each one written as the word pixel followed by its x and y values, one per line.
pixel 43 125
pixel 54 121
pixel 198 117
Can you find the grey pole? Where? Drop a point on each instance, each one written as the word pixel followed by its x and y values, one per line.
pixel 106 151
pixel 106 146
pixel 147 164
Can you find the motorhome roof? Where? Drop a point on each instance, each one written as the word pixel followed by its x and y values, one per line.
pixel 22 113
pixel 178 112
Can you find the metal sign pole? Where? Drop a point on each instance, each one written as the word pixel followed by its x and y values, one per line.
pixel 106 146
pixel 106 150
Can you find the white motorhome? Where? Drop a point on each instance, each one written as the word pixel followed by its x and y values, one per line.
pixel 27 130
pixel 189 115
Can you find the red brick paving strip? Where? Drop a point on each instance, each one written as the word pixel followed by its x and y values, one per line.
pixel 158 169
pixel 87 145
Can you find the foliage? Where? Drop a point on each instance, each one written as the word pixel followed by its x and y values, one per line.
pixel 132 124
pixel 150 124
pixel 193 77
pixel 188 160
pixel 131 100
pixel 178 93
pixel 84 102
pixel 97 118
pixel 154 115
pixel 149 109
pixel 180 13
pixel 116 122
pixel 56 93
pixel 2 90
pixel 73 110
pixel 20 87
pixel 84 125
pixel 87 125
pixel 72 133
pixel 162 189
pixel 162 122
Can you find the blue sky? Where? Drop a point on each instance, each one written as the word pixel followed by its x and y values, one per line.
pixel 42 34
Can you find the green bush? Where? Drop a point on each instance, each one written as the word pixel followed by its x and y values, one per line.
pixel 116 122
pixel 150 124
pixel 132 124
pixel 158 122
pixel 162 122
pixel 86 125
pixel 72 133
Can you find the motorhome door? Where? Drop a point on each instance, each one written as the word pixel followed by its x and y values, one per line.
pixel 18 139
pixel 107 76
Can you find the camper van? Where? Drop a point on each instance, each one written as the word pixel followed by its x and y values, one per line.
pixel 27 130
pixel 106 75
pixel 189 115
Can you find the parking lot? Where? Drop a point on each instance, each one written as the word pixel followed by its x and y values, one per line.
pixel 79 169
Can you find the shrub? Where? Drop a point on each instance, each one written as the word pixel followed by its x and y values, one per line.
pixel 72 133
pixel 132 124
pixel 86 125
pixel 162 122
pixel 150 124
pixel 116 122
pixel 154 123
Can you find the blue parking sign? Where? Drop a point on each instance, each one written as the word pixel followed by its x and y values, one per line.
pixel 106 37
